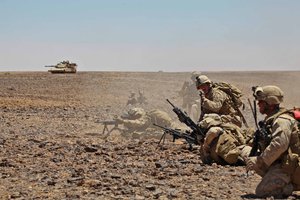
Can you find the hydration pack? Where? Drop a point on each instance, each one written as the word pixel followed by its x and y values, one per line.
pixel 294 159
pixel 296 115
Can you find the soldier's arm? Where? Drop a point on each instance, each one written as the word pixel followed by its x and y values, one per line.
pixel 280 141
pixel 137 123
pixel 216 104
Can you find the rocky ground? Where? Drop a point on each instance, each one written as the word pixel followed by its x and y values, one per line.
pixel 51 146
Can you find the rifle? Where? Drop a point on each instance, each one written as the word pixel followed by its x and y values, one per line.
pixel 106 124
pixel 260 134
pixel 183 117
pixel 176 135
pixel 241 115
pixel 201 104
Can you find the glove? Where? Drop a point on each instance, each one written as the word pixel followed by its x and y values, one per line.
pixel 202 96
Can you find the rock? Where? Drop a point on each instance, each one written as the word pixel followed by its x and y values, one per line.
pixel 138 197
pixel 198 169
pixel 46 153
pixel 150 187
pixel 2 141
pixel 90 149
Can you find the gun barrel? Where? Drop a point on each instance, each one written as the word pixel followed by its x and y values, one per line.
pixel 177 134
pixel 154 124
pixel 165 128
pixel 184 118
pixel 170 103
pixel 111 122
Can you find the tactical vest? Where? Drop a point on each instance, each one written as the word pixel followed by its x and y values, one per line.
pixel 232 91
pixel 235 131
pixel 295 136
pixel 227 107
pixel 290 160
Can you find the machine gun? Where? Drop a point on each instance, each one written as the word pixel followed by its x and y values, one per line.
pixel 109 123
pixel 176 135
pixel 183 117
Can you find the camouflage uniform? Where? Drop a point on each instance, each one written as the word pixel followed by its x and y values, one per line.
pixel 278 163
pixel 138 120
pixel 221 141
pixel 218 102
pixel 132 100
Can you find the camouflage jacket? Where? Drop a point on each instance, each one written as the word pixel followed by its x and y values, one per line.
pixel 217 101
pixel 284 137
pixel 147 119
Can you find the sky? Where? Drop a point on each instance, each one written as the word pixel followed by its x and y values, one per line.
pixel 150 35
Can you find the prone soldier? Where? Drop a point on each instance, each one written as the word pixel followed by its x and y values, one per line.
pixel 138 121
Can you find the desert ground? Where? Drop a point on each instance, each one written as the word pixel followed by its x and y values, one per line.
pixel 51 146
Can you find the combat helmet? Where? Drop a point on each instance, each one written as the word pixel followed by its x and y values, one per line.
pixel 202 79
pixel 270 93
pixel 194 75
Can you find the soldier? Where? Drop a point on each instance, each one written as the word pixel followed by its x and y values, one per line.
pixel 214 100
pixel 278 162
pixel 141 98
pixel 132 100
pixel 221 141
pixel 138 120
pixel 190 97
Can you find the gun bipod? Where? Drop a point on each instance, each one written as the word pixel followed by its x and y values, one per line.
pixel 162 139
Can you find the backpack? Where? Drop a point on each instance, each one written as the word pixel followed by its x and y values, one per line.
pixel 160 117
pixel 296 114
pixel 232 91
pixel 293 160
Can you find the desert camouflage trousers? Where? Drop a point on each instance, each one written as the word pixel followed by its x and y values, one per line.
pixel 224 148
pixel 275 182
pixel 233 118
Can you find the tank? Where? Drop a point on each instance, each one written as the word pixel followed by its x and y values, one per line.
pixel 63 67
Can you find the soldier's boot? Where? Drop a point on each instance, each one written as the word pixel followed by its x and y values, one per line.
pixel 288 190
pixel 232 156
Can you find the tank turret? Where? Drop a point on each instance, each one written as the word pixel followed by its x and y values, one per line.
pixel 63 67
